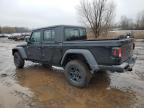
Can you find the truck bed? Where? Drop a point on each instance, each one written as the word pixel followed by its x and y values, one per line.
pixel 102 49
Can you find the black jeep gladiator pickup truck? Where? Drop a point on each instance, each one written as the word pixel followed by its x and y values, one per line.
pixel 68 47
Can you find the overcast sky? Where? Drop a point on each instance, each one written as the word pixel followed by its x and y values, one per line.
pixel 39 13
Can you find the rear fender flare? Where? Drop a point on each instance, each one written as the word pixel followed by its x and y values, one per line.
pixel 87 55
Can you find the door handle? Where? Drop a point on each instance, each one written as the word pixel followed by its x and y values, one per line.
pixel 57 42
pixel 39 47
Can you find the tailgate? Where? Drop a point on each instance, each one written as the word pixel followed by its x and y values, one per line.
pixel 127 50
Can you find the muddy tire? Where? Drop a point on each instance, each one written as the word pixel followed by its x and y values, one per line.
pixel 77 73
pixel 18 60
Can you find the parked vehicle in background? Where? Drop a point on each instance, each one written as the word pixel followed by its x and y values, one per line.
pixel 66 46
pixel 4 35
pixel 18 36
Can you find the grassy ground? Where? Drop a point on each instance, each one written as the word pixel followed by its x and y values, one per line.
pixel 138 34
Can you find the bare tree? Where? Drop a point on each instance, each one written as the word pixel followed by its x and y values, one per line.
pixel 8 30
pixel 140 20
pixel 126 23
pixel 14 29
pixel 0 29
pixel 97 14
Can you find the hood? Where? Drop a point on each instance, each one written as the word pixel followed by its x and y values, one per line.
pixel 22 45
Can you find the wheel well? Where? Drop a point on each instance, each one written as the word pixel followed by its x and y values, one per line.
pixel 13 51
pixel 70 57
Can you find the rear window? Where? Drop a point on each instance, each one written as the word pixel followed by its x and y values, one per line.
pixel 74 34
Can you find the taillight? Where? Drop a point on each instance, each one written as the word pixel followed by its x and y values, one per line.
pixel 117 52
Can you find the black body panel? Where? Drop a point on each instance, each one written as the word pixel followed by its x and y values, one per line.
pixel 52 52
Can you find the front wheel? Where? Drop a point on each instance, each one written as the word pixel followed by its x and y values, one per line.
pixel 77 73
pixel 18 60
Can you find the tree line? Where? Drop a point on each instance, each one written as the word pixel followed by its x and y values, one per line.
pixel 13 29
pixel 132 24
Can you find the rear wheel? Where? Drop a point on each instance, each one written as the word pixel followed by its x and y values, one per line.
pixel 77 73
pixel 18 60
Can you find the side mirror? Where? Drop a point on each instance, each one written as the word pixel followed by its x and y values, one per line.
pixel 27 39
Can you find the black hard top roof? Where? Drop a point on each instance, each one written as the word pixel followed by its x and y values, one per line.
pixel 58 26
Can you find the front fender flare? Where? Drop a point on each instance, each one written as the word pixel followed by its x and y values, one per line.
pixel 21 50
pixel 87 55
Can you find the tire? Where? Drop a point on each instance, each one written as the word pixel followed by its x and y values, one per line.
pixel 77 73
pixel 18 60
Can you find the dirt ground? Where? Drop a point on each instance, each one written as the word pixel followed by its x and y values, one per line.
pixel 39 87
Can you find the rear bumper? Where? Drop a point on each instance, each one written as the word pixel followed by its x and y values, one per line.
pixel 126 66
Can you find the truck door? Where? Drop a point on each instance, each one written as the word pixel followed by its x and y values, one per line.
pixel 34 46
pixel 51 50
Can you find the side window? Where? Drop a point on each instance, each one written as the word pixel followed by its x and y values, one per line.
pixel 82 32
pixel 53 34
pixel 49 35
pixel 36 37
pixel 71 34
